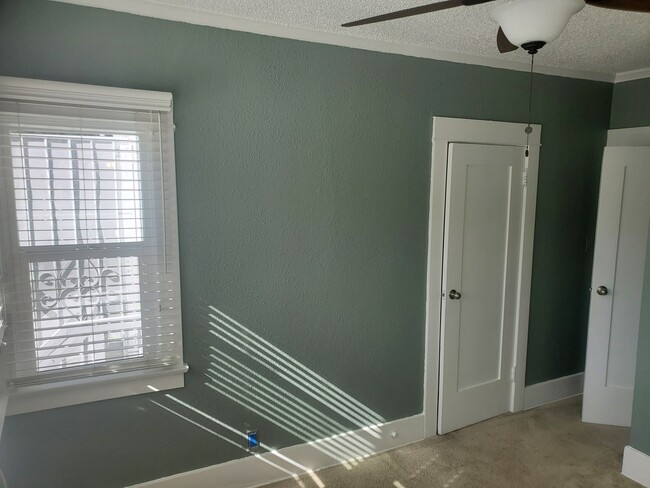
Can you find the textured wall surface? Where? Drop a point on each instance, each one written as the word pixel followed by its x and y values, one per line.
pixel 303 187
pixel 640 436
pixel 631 104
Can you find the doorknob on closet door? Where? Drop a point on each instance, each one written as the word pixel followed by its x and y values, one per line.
pixel 454 295
pixel 602 290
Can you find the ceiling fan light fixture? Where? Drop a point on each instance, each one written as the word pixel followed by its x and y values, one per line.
pixel 539 21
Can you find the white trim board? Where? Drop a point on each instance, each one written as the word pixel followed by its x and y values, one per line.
pixel 212 19
pixel 553 390
pixel 44 91
pixel 635 136
pixel 3 410
pixel 637 74
pixel 255 471
pixel 636 466
pixel 76 391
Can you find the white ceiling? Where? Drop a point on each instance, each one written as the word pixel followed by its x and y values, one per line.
pixel 597 43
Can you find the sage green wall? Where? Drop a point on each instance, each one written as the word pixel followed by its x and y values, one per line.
pixel 631 104
pixel 640 435
pixel 303 188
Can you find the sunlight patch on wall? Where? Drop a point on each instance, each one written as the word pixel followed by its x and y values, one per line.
pixel 245 368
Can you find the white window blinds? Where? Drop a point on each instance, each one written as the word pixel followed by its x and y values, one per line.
pixel 89 244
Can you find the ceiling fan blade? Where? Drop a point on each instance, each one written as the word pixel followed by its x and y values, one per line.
pixel 504 45
pixel 628 5
pixel 409 12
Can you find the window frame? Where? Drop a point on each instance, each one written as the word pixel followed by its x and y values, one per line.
pixel 74 390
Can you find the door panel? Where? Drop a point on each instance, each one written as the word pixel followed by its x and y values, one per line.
pixel 621 365
pixel 619 257
pixel 482 231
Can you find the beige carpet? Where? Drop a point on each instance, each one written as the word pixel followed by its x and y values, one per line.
pixel 545 447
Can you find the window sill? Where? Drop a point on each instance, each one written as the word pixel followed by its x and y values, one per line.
pixel 73 392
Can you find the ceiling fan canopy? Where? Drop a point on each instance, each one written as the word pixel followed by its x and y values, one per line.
pixel 534 21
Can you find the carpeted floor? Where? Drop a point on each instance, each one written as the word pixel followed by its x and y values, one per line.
pixel 545 447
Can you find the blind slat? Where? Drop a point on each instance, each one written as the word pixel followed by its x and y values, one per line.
pixel 138 338
pixel 107 367
pixel 90 349
pixel 76 326
pixel 166 359
pixel 138 331
pixel 71 316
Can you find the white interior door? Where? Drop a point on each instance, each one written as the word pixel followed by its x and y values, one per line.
pixel 480 273
pixel 4 395
pixel 617 282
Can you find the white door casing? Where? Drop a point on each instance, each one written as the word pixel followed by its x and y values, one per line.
pixel 482 231
pixel 617 282
pixel 447 131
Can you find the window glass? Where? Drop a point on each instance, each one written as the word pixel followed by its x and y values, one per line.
pixel 72 189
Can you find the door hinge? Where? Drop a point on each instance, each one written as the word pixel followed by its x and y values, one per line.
pixel 524 179
pixel 513 374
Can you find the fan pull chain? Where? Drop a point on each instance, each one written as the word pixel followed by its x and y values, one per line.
pixel 529 129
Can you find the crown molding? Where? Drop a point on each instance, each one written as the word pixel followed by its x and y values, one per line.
pixel 212 19
pixel 637 74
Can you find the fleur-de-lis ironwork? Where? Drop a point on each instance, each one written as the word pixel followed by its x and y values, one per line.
pixel 79 283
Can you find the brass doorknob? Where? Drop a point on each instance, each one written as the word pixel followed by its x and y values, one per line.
pixel 602 290
pixel 454 295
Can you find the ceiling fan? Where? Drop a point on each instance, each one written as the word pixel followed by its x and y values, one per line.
pixel 529 24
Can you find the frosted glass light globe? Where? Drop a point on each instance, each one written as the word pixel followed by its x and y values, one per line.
pixel 525 21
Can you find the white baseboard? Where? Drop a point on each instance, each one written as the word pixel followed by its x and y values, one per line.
pixel 636 466
pixel 554 390
pixel 267 467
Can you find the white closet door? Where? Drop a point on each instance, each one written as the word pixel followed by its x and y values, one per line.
pixel 617 283
pixel 4 396
pixel 480 266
